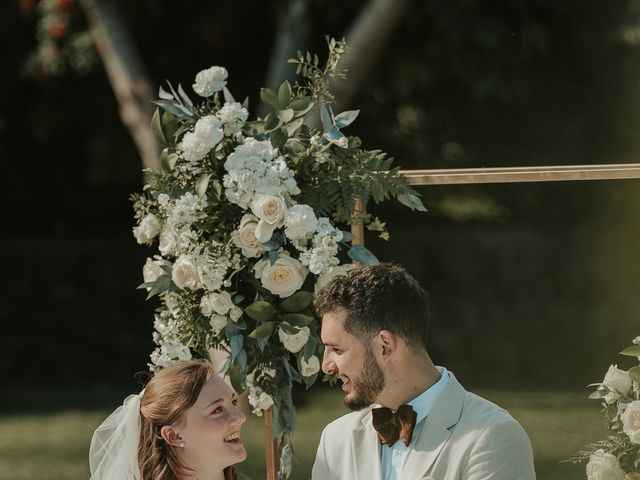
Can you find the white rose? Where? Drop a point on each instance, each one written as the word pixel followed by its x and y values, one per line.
pixel 618 381
pixel 259 400
pixel 185 274
pixel 300 222
pixel 210 81
pixel 219 303
pixel 294 342
pixel 152 270
pixel 631 421
pixel 270 210
pixel 310 367
pixel 218 322
pixel 284 277
pixel 604 466
pixel 235 313
pixel 148 228
pixel 333 272
pixel 245 236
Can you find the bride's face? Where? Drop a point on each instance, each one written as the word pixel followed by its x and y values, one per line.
pixel 211 428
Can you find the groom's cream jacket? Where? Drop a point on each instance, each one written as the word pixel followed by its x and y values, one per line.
pixel 465 437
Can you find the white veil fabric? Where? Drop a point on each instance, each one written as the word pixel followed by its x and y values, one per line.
pixel 113 454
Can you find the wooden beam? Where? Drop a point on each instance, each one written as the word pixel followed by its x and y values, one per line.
pixel 271 446
pixel 454 176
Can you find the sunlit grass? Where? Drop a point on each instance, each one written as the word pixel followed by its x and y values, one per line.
pixel 53 445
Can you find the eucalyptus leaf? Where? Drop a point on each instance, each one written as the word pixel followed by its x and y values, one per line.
pixel 346 118
pixel 275 242
pixel 202 184
pixel 297 302
pixel 164 159
pixel 262 342
pixel 185 98
pixel 273 256
pixel 325 117
pixel 334 135
pixel 169 126
pixel 297 319
pixel 236 343
pixel 632 351
pixel 156 127
pixel 241 360
pixel 162 93
pixel 284 94
pixel 263 331
pixel 347 236
pixel 362 255
pixel 260 311
pixel 412 201
pixel 270 98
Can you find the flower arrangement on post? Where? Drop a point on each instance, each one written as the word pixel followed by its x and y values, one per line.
pixel 618 456
pixel 245 215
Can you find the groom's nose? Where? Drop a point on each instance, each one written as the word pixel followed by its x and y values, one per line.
pixel 328 365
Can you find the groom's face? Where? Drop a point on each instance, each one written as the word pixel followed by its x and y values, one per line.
pixel 351 360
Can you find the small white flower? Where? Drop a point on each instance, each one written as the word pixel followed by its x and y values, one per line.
pixel 284 277
pixel 270 210
pixel 619 383
pixel 294 342
pixel 631 421
pixel 210 81
pixel 148 228
pixel 300 222
pixel 185 274
pixel 309 367
pixel 218 322
pixel 604 466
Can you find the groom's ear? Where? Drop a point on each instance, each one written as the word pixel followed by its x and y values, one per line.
pixel 387 343
pixel 170 435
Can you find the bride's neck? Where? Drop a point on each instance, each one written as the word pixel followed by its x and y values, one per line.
pixel 219 475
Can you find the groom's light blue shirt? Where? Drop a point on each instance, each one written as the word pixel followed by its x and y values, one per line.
pixel 393 459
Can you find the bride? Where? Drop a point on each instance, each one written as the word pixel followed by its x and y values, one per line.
pixel 184 425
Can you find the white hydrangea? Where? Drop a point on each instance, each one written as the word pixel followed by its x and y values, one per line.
pixel 210 81
pixel 300 222
pixel 206 134
pixel 254 167
pixel 233 116
pixel 185 210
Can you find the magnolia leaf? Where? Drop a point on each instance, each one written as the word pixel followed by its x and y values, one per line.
pixel 156 128
pixel 271 122
pixel 291 330
pixel 162 93
pixel 278 138
pixel 270 98
pixel 236 343
pixel 325 116
pixel 297 302
pixel 632 351
pixel 346 118
pixel 260 311
pixel 284 94
pixel 297 319
pixel 362 255
pixel 241 360
pixel 634 373
pixel 292 127
pixel 202 184
pixel 227 95
pixel 263 331
pixel 412 201
pixel 285 116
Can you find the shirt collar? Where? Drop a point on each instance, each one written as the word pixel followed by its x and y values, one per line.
pixel 424 402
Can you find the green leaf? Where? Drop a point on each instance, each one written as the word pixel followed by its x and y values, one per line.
pixel 164 159
pixel 202 184
pixel 362 255
pixel 325 116
pixel 169 125
pixel 290 329
pixel 275 242
pixel 310 348
pixel 634 373
pixel 270 98
pixel 271 122
pixel 236 343
pixel 162 93
pixel 284 94
pixel 260 311
pixel 264 330
pixel 346 118
pixel 301 104
pixel 292 127
pixel 412 201
pixel 185 98
pixel 156 128
pixel 178 110
pixel 285 116
pixel 235 375
pixel 161 284
pixel 297 302
pixel 278 138
pixel 227 95
pixel 297 319
pixel 347 236
pixel 632 351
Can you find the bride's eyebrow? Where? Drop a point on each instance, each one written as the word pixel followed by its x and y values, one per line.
pixel 215 402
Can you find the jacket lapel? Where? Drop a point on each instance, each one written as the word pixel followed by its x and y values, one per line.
pixel 366 451
pixel 436 430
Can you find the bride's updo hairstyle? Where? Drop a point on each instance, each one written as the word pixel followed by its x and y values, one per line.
pixel 166 397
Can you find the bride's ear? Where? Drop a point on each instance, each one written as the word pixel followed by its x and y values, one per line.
pixel 170 435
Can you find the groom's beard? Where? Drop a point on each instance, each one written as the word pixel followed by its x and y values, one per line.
pixel 367 386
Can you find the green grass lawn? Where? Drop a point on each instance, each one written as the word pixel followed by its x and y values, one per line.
pixel 51 442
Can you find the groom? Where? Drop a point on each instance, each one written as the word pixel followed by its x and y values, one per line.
pixel 411 420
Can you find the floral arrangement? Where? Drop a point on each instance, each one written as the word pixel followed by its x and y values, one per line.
pixel 618 456
pixel 246 216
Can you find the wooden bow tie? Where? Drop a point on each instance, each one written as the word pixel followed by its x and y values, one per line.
pixel 391 426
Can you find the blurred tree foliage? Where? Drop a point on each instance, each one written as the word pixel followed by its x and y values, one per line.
pixel 461 83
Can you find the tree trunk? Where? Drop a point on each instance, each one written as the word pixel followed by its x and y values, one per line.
pixel 125 70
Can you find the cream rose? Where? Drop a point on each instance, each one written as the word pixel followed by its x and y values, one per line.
pixel 148 228
pixel 235 313
pixel 185 273
pixel 619 383
pixel 631 421
pixel 270 210
pixel 604 466
pixel 310 367
pixel 333 272
pixel 245 236
pixel 284 277
pixel 294 342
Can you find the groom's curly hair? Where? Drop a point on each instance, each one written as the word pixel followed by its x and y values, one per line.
pixel 379 297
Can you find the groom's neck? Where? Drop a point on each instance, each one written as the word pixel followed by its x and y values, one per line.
pixel 406 379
